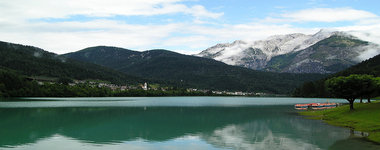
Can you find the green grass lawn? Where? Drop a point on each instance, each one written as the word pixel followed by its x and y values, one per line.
pixel 365 117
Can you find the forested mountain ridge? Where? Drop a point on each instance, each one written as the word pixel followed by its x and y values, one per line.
pixel 112 57
pixel 191 71
pixel 370 66
pixel 318 89
pixel 32 61
pixel 168 67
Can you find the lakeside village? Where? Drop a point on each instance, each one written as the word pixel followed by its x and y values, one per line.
pixel 145 86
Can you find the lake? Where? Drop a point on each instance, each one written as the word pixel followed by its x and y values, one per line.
pixel 168 123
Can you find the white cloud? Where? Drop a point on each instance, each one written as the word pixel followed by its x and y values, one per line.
pixel 64 37
pixel 193 42
pixel 21 9
pixel 18 24
pixel 328 15
pixel 199 11
pixel 367 32
pixel 371 50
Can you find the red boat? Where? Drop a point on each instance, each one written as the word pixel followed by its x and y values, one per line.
pixel 302 106
pixel 315 106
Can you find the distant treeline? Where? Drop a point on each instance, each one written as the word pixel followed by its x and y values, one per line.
pixel 15 85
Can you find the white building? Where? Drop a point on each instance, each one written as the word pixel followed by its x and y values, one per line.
pixel 145 87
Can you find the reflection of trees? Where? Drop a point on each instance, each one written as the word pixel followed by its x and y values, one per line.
pixel 220 126
pixel 277 133
pixel 236 138
pixel 109 125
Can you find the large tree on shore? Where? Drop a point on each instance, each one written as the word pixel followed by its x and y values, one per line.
pixel 376 91
pixel 351 87
pixel 370 88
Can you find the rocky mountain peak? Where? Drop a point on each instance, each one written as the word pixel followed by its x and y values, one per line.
pixel 257 54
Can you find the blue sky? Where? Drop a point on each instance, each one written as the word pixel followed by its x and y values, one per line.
pixel 186 26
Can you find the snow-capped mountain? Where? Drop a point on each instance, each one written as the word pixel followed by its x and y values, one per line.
pixel 298 53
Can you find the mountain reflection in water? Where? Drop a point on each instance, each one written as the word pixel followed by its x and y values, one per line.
pixel 252 127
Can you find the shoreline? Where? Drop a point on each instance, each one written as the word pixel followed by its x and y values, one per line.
pixel 365 118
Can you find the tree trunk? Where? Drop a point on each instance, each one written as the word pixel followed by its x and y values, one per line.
pixel 361 100
pixel 369 100
pixel 351 104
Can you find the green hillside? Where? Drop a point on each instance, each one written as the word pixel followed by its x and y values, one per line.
pixel 191 71
pixel 317 88
pixel 32 61
pixel 370 66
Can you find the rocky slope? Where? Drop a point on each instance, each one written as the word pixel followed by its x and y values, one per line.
pixel 323 52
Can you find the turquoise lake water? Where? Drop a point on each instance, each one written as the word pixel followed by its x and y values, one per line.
pixel 168 123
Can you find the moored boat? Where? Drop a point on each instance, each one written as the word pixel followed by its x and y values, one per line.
pixel 315 106
pixel 301 106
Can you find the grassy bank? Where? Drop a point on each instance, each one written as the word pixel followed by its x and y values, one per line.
pixel 365 117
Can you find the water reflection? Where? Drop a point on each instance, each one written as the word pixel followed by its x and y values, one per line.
pixel 253 127
pixel 274 135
